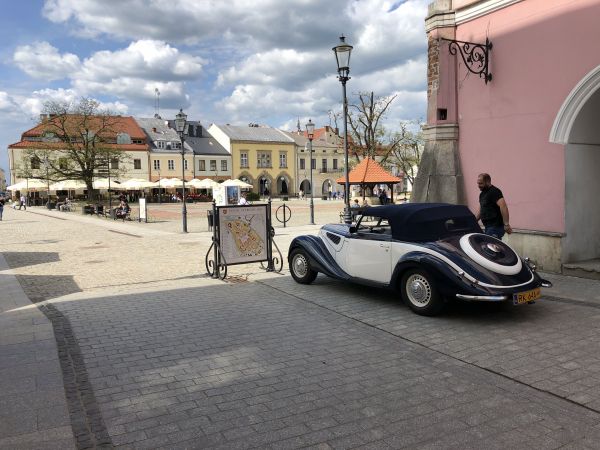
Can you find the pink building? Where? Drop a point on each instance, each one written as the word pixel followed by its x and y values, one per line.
pixel 535 126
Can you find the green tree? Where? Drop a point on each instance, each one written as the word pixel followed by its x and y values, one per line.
pixel 78 142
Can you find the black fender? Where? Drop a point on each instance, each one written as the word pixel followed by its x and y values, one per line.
pixel 319 257
pixel 447 281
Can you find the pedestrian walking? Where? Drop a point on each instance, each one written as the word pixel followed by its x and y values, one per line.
pixel 493 210
pixel 23 202
pixel 2 201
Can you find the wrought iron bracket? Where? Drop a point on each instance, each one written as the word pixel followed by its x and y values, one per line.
pixel 475 56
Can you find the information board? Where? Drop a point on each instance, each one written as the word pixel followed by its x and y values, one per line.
pixel 243 233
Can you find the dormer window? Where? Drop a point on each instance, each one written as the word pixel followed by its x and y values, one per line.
pixel 160 144
pixel 123 138
pixel 177 145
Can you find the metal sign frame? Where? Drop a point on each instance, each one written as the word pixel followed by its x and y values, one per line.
pixel 216 261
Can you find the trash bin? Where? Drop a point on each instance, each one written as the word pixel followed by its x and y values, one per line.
pixel 209 215
pixel 87 209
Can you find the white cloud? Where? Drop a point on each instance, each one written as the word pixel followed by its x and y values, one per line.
pixel 42 60
pixel 7 103
pixel 34 104
pixel 145 59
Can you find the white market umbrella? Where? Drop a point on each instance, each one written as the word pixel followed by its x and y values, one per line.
pixel 68 185
pixel 33 183
pixel 206 183
pixel 102 183
pixel 167 183
pixel 137 184
pixel 236 182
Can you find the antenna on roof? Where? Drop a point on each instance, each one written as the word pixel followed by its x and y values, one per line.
pixel 156 103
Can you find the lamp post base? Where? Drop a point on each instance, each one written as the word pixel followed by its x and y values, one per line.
pixel 347 215
pixel 312 212
pixel 184 217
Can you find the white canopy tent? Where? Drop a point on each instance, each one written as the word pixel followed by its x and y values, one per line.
pixel 236 182
pixel 68 185
pixel 29 184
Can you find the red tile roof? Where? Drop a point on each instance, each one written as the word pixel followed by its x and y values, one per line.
pixel 369 171
pixel 119 124
pixel 42 145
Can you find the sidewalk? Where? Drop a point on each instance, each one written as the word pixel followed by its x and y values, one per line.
pixel 33 400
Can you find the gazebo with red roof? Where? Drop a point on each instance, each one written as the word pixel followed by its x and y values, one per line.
pixel 369 173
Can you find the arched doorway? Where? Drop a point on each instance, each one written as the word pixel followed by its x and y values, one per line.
pixel 305 187
pixel 264 186
pixel 576 126
pixel 327 188
pixel 282 185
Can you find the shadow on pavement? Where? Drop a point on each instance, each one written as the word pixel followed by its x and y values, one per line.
pixel 23 259
pixel 44 287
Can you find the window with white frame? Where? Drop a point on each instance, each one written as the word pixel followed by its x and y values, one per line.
pixel 324 165
pixel 224 165
pixel 282 160
pixel 114 164
pixel 243 159
pixel 177 145
pixel 213 164
pixel 156 164
pixel 264 159
pixel 171 164
pixel 202 165
pixel 160 144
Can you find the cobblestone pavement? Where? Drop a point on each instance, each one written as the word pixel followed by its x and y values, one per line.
pixel 162 356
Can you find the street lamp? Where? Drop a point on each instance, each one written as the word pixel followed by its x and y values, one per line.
pixel 342 56
pixel 181 126
pixel 310 132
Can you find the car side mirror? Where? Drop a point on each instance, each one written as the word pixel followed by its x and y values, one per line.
pixel 352 229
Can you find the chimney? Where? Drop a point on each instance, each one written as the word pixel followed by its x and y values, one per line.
pixel 154 129
pixel 43 118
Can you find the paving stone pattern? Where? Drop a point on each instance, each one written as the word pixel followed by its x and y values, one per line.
pixel 173 359
pixel 244 365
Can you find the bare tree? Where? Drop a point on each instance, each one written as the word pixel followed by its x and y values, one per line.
pixel 366 130
pixel 82 140
pixel 406 150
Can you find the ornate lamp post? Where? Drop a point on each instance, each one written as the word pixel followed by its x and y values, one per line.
pixel 342 55
pixel 310 132
pixel 181 126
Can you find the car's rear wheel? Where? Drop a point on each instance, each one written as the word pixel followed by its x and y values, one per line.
pixel 300 267
pixel 420 294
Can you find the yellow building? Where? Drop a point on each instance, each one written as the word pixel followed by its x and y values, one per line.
pixel 262 156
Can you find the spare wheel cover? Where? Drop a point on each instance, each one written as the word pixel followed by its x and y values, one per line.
pixel 491 253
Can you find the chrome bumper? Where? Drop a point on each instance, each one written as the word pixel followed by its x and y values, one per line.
pixel 482 298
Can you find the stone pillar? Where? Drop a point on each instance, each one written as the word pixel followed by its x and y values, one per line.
pixel 439 178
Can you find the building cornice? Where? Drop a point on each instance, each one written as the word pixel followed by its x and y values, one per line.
pixel 440 20
pixel 440 132
pixel 481 9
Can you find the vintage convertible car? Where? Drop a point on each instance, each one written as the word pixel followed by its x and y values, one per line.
pixel 431 252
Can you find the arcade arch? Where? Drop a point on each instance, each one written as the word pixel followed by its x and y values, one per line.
pixel 576 127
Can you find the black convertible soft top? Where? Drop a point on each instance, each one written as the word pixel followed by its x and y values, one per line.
pixel 419 222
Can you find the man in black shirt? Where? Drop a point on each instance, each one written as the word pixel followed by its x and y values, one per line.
pixel 493 210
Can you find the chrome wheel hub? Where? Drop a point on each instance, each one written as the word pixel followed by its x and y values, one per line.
pixel 418 290
pixel 300 265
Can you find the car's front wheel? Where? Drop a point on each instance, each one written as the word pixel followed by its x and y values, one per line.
pixel 420 294
pixel 300 267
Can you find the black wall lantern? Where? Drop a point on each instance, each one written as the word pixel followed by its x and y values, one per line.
pixel 476 56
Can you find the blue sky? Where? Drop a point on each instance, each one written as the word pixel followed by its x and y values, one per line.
pixel 223 61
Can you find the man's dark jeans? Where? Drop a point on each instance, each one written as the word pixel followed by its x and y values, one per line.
pixel 494 231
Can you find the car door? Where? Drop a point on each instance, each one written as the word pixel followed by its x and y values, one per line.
pixel 369 255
